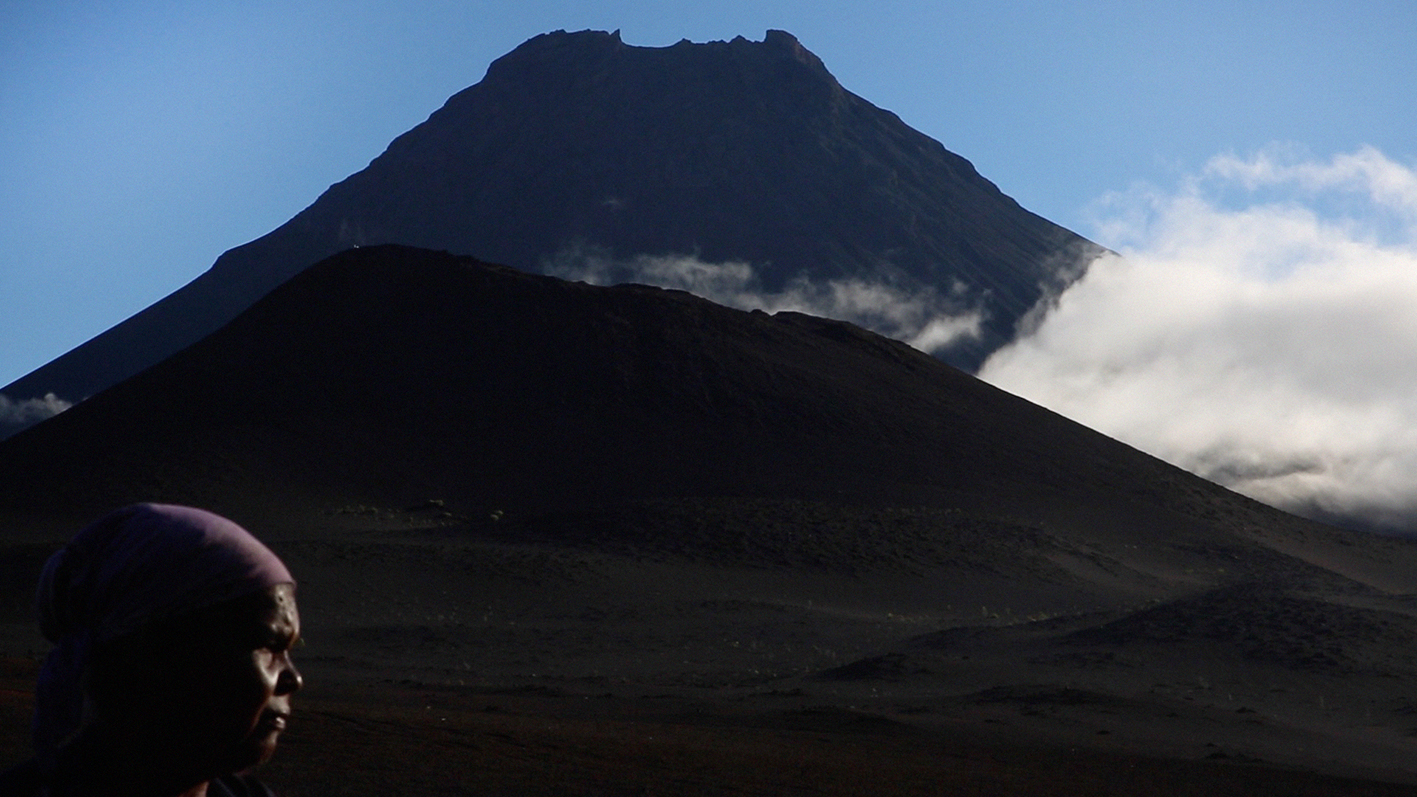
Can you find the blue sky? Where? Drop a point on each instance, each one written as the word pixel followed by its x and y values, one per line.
pixel 142 139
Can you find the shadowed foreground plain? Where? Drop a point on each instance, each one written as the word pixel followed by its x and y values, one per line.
pixel 553 538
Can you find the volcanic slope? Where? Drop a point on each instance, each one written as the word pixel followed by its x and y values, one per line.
pixel 394 371
pixel 390 375
pixel 610 504
pixel 576 146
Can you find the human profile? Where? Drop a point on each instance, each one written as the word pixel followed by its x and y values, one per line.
pixel 171 671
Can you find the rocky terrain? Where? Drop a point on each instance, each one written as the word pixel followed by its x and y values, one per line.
pixel 553 537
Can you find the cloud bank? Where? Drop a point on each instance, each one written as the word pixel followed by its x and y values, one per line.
pixel 1259 328
pixel 924 317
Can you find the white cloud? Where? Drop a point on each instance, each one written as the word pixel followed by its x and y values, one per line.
pixel 1259 328
pixel 1367 171
pixel 15 415
pixel 923 317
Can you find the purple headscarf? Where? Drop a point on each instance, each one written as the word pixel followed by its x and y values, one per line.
pixel 136 566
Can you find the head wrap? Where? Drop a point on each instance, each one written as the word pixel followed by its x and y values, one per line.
pixel 139 565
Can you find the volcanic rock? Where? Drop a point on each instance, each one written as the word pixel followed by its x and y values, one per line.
pixel 393 372
pixel 541 520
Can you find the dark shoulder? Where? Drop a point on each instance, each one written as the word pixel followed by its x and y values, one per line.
pixel 28 780
pixel 22 781
pixel 236 786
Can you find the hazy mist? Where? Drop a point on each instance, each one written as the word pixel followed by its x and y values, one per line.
pixel 1258 328
pixel 924 318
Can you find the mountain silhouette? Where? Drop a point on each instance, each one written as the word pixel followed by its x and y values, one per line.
pixel 577 147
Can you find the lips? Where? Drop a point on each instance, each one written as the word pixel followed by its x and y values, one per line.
pixel 273 721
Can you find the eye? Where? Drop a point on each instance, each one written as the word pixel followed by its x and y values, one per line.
pixel 279 645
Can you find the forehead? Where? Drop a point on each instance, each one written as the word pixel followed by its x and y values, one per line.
pixel 280 599
pixel 259 612
pixel 274 606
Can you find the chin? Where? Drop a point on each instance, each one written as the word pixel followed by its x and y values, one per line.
pixel 254 752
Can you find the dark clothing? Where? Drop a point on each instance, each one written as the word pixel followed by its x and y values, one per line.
pixel 27 780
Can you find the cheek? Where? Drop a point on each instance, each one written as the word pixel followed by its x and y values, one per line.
pixel 240 693
pixel 260 679
pixel 240 732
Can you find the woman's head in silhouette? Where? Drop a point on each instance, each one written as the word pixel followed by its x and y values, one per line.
pixel 171 667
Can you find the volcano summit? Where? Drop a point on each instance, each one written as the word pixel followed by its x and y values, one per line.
pixel 583 156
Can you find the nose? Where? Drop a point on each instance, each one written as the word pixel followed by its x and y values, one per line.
pixel 289 681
